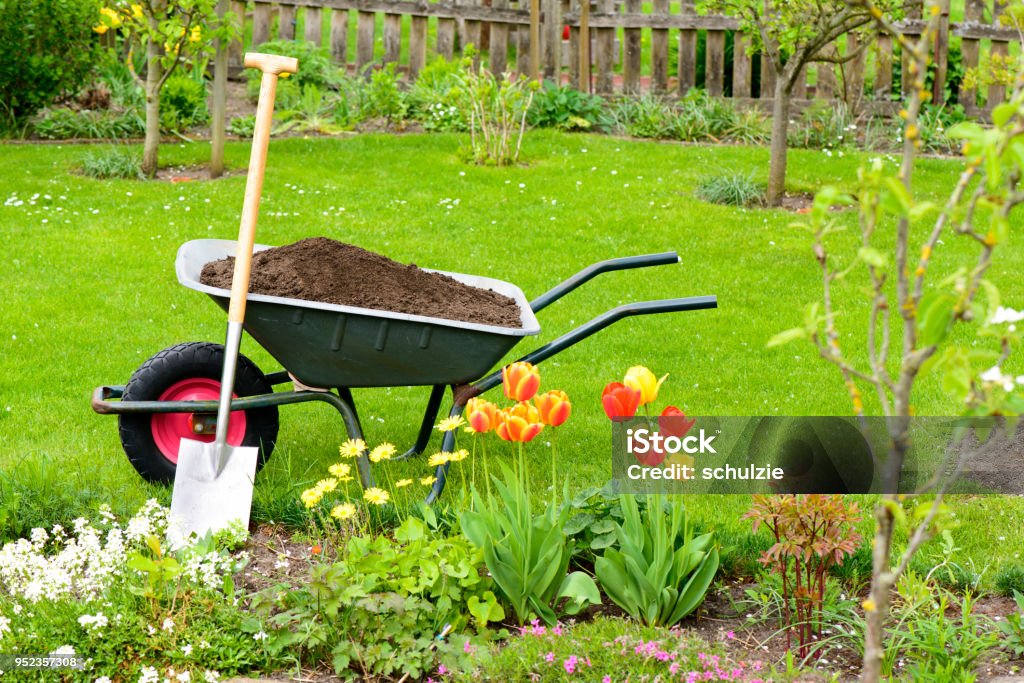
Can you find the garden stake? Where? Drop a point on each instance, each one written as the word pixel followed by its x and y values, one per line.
pixel 213 483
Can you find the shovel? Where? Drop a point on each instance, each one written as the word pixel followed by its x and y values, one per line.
pixel 213 482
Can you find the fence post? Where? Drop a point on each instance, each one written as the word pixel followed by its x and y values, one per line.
pixel 974 10
pixel 906 80
pixel 499 41
pixel 392 38
pixel 417 45
pixel 260 23
pixel 339 37
pixel 286 22
pixel 236 48
pixel 941 54
pixel 312 30
pixel 687 66
pixel 366 35
pixel 605 48
pixel 552 41
pixel 472 32
pixel 768 78
pixel 883 67
pixel 741 66
pixel 714 71
pixel 446 34
pixel 998 51
pixel 632 47
pixel 853 74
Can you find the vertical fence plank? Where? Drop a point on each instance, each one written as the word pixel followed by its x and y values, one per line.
pixel 883 68
pixel 768 78
pixel 714 69
pixel 633 44
pixel 286 22
pixel 417 45
pixel 473 31
pixel 523 41
pixel 260 23
pixel 499 42
pixel 312 31
pixel 366 35
pixel 585 44
pixel 853 74
pixel 339 36
pixel 741 65
pixel 906 79
pixel 551 29
pixel 605 48
pixel 826 83
pixel 997 53
pixel 446 36
pixel 800 87
pixel 974 11
pixel 687 66
pixel 236 49
pixel 574 57
pixel 659 49
pixel 940 54
pixel 392 38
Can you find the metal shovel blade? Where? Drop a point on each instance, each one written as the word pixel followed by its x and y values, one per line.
pixel 208 500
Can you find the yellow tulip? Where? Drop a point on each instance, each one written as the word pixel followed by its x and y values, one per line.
pixel 639 378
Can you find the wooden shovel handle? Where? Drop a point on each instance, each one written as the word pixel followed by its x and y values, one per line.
pixel 271 66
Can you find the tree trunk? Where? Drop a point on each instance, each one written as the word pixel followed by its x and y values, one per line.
pixel 151 147
pixel 779 143
pixel 876 608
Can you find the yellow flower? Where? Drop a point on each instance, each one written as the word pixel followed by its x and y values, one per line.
pixel 339 470
pixel 869 605
pixel 401 483
pixel 428 481
pixel 100 28
pixel 310 497
pixel 344 511
pixel 643 380
pixel 137 11
pixel 450 423
pixel 382 452
pixel 352 448
pixel 376 496
pixel 438 459
pixel 458 455
pixel 196 34
pixel 326 485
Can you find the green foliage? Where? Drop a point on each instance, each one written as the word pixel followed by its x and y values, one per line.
pixel 498 107
pixel 812 533
pixel 646 116
pixel 312 113
pixel 527 554
pixel 824 125
pixel 1012 628
pixel 935 122
pixel 383 96
pixel 434 97
pixel 183 103
pixel 47 49
pixel 315 66
pixel 1010 580
pixel 566 108
pixel 68 124
pixel 117 162
pixel 594 516
pixel 732 189
pixel 376 611
pixel 659 572
pixel 243 126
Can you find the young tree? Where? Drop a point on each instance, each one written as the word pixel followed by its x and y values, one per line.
pixel 791 34
pixel 170 32
pixel 912 315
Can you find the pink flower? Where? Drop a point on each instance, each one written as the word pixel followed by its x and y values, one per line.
pixel 442 670
pixel 557 630
pixel 606 679
pixel 468 648
pixel 570 664
pixel 674 669
pixel 549 657
pixel 731 635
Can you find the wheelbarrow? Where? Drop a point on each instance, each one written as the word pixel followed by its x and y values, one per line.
pixel 173 395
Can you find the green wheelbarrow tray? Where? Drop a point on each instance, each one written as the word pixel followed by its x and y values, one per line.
pixel 328 345
pixel 345 347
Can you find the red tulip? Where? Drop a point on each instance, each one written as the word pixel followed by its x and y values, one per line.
pixel 673 422
pixel 481 415
pixel 521 380
pixel 619 401
pixel 519 423
pixel 554 407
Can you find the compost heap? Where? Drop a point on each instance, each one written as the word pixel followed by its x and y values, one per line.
pixel 327 271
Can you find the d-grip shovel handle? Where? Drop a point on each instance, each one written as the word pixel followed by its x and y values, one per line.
pixel 271 66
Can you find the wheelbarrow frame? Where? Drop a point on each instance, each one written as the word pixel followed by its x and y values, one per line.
pixel 106 398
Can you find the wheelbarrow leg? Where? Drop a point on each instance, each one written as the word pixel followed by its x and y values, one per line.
pixel 347 407
pixel 427 425
pixel 460 396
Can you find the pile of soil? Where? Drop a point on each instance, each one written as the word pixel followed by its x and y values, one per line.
pixel 327 271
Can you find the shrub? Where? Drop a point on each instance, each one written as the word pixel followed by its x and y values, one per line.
pixel 566 108
pixel 383 97
pixel 47 48
pixel 823 125
pixel 731 189
pixel 644 117
pixel 434 97
pixel 1010 580
pixel 242 126
pixel 497 106
pixel 749 127
pixel 67 124
pixel 812 533
pixel 1012 628
pixel 119 162
pixel 315 66
pixel 183 103
pixel 659 571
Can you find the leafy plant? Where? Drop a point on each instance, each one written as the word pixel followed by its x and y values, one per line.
pixel 383 96
pixel 733 189
pixel 527 554
pixel 315 66
pixel 1012 628
pixel 47 49
pixel 1010 580
pixel 565 108
pixel 118 162
pixel 313 112
pixel 67 124
pixel 660 572
pixel 498 107
pixel 749 127
pixel 183 104
pixel 824 125
pixel 812 533
pixel 644 117
pixel 434 97
pixel 242 126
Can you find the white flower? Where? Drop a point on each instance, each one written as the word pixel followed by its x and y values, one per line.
pixel 995 375
pixel 260 636
pixel 211 676
pixel 91 622
pixel 186 650
pixel 148 675
pixel 64 650
pixel 168 625
pixel 1006 315
pixel 102 679
pixel 5 626
pixel 184 677
pixel 204 645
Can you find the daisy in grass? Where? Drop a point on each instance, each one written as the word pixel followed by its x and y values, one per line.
pixel 385 451
pixel 376 496
pixel 352 448
pixel 450 424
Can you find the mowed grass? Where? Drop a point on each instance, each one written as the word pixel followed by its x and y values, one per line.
pixel 89 293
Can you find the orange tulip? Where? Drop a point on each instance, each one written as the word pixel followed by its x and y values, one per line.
pixel 619 401
pixel 519 423
pixel 521 380
pixel 481 415
pixel 554 407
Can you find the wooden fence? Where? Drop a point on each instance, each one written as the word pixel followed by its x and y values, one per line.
pixel 603 48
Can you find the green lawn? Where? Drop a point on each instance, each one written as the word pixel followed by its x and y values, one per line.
pixel 90 293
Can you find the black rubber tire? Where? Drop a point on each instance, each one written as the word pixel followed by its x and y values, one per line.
pixel 179 362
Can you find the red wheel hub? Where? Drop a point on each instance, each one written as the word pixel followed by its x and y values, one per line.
pixel 170 428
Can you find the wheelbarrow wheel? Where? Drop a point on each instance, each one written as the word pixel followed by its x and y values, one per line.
pixel 190 372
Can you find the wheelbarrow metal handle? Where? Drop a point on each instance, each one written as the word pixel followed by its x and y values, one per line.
pixel 592 271
pixel 693 303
